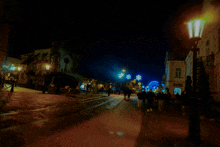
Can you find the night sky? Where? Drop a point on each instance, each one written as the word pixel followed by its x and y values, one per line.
pixel 134 35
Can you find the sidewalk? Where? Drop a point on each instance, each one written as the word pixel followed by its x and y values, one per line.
pixel 170 128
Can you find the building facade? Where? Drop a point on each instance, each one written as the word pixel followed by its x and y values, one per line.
pixel 4 30
pixel 175 75
pixel 209 45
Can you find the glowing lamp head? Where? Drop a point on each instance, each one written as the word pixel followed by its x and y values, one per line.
pixel 47 67
pixel 195 28
pixel 123 70
pixel 19 68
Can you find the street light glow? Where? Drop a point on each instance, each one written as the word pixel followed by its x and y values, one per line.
pixel 138 77
pixel 19 68
pixel 128 77
pixel 195 28
pixel 47 67
pixel 123 70
pixel 12 68
pixel 121 75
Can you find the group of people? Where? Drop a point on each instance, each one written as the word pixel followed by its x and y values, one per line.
pixel 127 92
pixel 150 97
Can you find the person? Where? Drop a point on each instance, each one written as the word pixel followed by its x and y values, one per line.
pixel 160 97
pixel 125 93
pixel 129 93
pixel 144 96
pixel 12 85
pixel 109 91
pixel 139 98
pixel 183 99
pixel 177 97
pixel 150 99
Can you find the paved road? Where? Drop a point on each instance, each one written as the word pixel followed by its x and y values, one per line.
pixel 125 125
pixel 33 121
pixel 106 122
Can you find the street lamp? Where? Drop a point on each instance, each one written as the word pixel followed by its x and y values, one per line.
pixel 195 29
pixel 123 70
pixel 47 67
pixel 19 68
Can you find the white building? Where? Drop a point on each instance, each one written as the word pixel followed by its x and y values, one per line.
pixel 175 75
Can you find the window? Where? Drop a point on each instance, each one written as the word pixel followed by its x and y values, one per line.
pixel 207 43
pixel 178 72
pixel 177 90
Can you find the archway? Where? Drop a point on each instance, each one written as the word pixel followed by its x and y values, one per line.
pixel 177 90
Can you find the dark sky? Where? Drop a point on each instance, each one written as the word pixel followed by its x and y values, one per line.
pixel 126 34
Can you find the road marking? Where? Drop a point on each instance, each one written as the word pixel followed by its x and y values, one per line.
pixel 43 120
pixel 10 113
pixel 100 104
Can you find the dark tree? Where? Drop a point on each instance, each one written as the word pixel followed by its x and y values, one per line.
pixel 188 86
pixel 203 90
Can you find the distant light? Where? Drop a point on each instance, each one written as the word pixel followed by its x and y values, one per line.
pixel 19 68
pixel 128 77
pixel 142 86
pixel 123 70
pixel 12 68
pixel 138 77
pixel 121 75
pixel 82 86
pixel 120 133
pixel 47 67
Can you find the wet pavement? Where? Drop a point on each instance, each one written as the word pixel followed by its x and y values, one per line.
pixel 101 121
pixel 30 114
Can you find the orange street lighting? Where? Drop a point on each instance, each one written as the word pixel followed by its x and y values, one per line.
pixel 123 70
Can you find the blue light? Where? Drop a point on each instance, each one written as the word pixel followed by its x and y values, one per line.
pixel 138 77
pixel 82 87
pixel 12 68
pixel 142 86
pixel 153 85
pixel 128 77
pixel 121 75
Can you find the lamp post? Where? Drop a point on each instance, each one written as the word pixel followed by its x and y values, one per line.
pixel 195 29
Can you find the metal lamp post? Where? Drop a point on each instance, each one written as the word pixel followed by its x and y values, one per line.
pixel 195 28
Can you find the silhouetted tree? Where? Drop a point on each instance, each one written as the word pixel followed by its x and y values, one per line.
pixel 203 90
pixel 188 86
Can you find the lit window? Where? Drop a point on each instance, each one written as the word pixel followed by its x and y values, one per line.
pixel 178 72
pixel 177 90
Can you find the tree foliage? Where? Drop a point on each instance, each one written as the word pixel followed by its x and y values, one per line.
pixel 203 90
